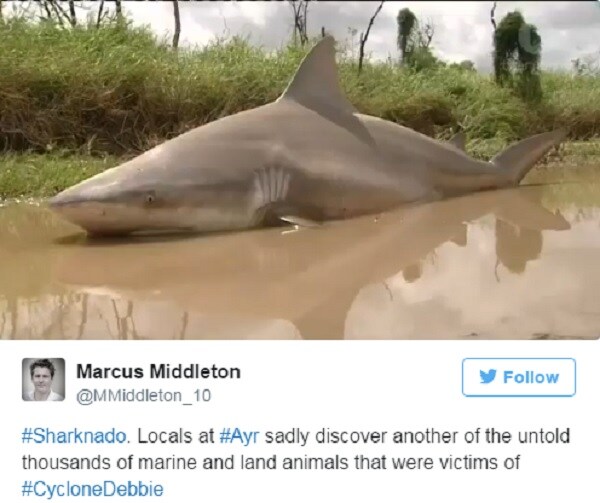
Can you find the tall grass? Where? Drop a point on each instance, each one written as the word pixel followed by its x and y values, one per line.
pixel 118 90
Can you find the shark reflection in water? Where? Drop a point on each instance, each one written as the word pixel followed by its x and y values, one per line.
pixel 309 277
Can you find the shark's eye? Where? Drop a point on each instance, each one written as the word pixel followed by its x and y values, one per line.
pixel 150 197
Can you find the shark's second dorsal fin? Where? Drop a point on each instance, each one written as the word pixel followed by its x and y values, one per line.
pixel 459 140
pixel 316 83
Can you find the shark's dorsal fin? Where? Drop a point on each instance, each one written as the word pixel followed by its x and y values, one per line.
pixel 459 140
pixel 316 83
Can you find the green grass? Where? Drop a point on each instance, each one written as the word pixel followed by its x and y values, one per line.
pixel 118 90
pixel 74 102
pixel 40 175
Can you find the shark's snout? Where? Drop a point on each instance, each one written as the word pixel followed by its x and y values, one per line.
pixel 119 208
pixel 62 201
pixel 83 193
pixel 95 208
pixel 92 216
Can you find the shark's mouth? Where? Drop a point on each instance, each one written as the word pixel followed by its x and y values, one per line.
pixel 102 219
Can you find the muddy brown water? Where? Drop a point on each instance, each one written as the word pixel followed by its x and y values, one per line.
pixel 494 265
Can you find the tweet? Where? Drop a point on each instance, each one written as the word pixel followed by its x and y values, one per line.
pixel 277 421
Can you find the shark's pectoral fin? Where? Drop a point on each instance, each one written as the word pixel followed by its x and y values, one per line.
pixel 277 214
pixel 299 221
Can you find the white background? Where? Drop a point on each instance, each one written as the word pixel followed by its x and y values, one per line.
pixel 342 385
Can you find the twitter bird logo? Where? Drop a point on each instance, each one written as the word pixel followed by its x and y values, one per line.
pixel 487 377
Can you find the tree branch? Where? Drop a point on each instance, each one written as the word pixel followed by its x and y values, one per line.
pixel 100 12
pixel 119 11
pixel 72 13
pixel 300 9
pixel 60 12
pixel 363 39
pixel 177 24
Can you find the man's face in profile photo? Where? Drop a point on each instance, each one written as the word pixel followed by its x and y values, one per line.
pixel 42 375
pixel 42 381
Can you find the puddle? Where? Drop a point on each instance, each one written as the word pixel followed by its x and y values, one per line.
pixel 515 264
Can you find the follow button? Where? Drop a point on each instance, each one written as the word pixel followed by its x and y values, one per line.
pixel 519 377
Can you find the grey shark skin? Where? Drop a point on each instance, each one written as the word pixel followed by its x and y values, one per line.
pixel 307 157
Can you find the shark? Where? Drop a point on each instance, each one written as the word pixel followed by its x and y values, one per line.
pixel 304 159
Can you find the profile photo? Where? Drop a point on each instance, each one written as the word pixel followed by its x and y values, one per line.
pixel 43 379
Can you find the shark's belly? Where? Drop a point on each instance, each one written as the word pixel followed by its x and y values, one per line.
pixel 347 197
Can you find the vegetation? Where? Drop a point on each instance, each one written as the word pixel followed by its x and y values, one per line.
pixel 115 90
pixel 40 175
pixel 414 40
pixel 406 24
pixel 517 53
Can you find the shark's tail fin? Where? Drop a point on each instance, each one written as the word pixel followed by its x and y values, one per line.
pixel 520 157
